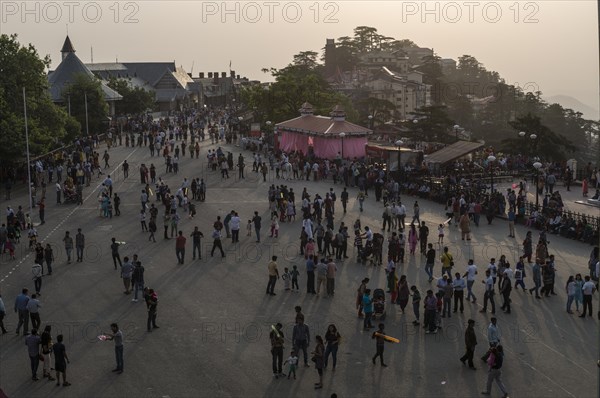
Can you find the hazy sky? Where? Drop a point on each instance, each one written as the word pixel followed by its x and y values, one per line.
pixel 551 46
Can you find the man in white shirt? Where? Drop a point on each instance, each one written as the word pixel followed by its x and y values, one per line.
pixel 470 275
pixel 493 335
pixel 234 225
pixel 588 289
pixel 489 292
pixel 459 292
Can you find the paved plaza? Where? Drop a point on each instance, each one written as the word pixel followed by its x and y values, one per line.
pixel 215 318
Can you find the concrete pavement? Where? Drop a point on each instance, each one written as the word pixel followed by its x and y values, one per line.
pixel 215 318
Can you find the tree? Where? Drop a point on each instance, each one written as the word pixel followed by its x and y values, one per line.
pixel 135 99
pixel 432 125
pixel 48 124
pixel 87 89
pixel 548 145
pixel 306 59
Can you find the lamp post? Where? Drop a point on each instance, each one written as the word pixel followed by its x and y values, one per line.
pixel 491 159
pixel 537 166
pixel 399 144
pixel 371 122
pixel 268 123
pixel 239 124
pixel 533 138
pixel 342 135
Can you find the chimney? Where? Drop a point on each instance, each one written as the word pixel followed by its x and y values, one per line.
pixel 232 73
pixel 210 75
pixel 201 75
pixel 223 74
pixel 216 75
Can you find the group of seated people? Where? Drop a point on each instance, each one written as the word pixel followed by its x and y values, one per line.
pixel 569 225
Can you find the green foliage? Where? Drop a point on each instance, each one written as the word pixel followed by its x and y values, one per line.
pixel 87 88
pixel 433 125
pixel 135 99
pixel 21 67
pixel 294 85
pixel 547 145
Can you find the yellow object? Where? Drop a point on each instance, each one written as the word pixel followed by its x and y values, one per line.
pixel 388 338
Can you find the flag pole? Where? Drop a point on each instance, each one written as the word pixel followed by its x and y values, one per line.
pixel 27 147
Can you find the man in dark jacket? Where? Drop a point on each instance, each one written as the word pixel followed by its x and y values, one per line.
pixel 470 342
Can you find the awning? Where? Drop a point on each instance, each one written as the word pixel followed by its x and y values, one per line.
pixel 453 152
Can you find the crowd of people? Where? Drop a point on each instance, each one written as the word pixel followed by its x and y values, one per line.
pixel 324 243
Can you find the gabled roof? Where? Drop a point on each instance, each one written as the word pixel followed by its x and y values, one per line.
pixel 65 73
pixel 67 46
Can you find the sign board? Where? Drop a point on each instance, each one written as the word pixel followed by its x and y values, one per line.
pixel 255 130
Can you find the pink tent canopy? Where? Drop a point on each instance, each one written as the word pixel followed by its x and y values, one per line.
pixel 323 147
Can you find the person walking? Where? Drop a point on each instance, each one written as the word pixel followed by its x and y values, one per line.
pixel 430 261
pixel 489 292
pixel 447 262
pixel 61 359
pixel 152 228
pixel 505 290
pixel 273 276
pixel 151 299
pixel 470 275
pixel 33 342
pixel 332 338
pixel 464 223
pixel 216 235
pixel 36 271
pixel 301 339
pixel 256 220
pixel 2 315
pixel 423 236
pixel 360 292
pixel 321 275
pixel 33 307
pixel 493 335
pixel 588 289
pixel 277 339
pixel 196 235
pixel 470 343
pixel 495 362
pixel 137 278
pixel 536 270
pixel 331 271
pixel 416 302
pixel 317 356
pixel 79 245
pixel 180 247
pixel 21 308
pixel 126 273
pixel 117 337
pixel 379 344
pixel 46 344
pixel 68 241
pixel 114 249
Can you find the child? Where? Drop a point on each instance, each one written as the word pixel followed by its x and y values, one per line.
pixel 292 361
pixel 109 208
pixel 295 274
pixel 249 228
pixel 274 225
pixel 143 221
pixel 192 208
pixel 441 234
pixel 286 278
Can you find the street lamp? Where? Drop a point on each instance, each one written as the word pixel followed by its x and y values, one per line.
pixel 371 122
pixel 342 135
pixel 522 134
pixel 268 123
pixel 399 144
pixel 537 166
pixel 491 159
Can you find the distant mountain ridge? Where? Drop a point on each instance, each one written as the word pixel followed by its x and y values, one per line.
pixel 567 101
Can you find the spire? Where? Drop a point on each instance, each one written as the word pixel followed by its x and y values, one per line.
pixel 338 114
pixel 307 109
pixel 67 48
